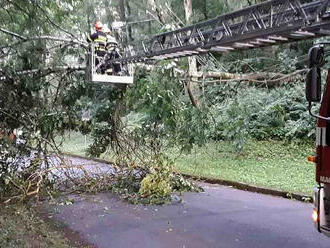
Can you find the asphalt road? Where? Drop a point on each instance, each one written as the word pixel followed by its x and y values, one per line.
pixel 220 217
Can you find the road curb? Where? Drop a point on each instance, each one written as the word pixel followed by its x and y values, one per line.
pixel 237 185
pixel 256 189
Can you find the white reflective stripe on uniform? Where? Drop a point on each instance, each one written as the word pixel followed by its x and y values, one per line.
pixel 318 136
pixel 324 136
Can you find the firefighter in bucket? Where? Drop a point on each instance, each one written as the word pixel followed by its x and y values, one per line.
pixel 113 68
pixel 99 38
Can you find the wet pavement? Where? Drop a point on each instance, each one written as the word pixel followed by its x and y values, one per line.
pixel 219 217
pixel 75 167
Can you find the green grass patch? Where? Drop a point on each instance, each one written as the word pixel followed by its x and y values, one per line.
pixel 271 164
pixel 21 227
pixel 75 143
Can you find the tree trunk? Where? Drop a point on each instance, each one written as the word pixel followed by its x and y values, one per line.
pixel 122 15
pixel 192 60
pixel 122 10
pixel 206 17
pixel 192 71
pixel 152 6
pixel 190 94
pixel 129 27
pixel 263 78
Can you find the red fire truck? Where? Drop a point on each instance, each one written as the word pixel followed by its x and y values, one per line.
pixel 321 213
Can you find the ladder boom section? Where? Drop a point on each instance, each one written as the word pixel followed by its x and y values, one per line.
pixel 261 25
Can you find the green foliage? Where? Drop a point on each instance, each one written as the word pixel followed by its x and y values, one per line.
pixel 168 115
pixel 155 186
pixel 37 102
pixel 106 122
pixel 157 183
pixel 261 113
pixel 137 126
pixel 181 184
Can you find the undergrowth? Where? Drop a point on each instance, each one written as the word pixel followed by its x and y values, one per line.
pixel 21 227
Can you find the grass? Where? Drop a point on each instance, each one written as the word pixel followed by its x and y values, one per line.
pixel 21 227
pixel 271 164
pixel 75 143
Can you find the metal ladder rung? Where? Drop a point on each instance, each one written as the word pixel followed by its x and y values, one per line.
pixel 278 38
pixel 222 49
pixel 266 41
pixel 303 33
pixel 240 45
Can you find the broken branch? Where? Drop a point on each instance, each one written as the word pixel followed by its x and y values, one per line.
pixel 270 79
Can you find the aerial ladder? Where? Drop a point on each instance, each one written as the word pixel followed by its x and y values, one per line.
pixel 270 23
pixel 262 25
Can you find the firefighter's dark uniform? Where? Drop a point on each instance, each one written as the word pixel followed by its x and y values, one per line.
pixel 111 43
pixel 112 49
pixel 100 39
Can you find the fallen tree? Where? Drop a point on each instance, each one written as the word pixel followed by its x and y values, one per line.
pixel 260 78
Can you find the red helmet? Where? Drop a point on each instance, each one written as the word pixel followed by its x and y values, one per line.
pixel 98 25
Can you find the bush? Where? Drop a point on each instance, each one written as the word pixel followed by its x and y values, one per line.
pixel 157 183
pixel 261 113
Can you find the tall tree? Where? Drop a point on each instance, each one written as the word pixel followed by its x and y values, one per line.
pixel 192 70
